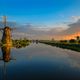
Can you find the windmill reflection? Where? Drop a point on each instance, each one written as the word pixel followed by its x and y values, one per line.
pixel 6 57
pixel 6 53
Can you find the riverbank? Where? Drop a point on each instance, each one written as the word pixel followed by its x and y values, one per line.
pixel 18 43
pixel 75 47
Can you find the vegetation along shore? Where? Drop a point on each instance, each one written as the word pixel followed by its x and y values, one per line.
pixel 73 44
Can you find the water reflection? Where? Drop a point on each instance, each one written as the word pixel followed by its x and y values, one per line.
pixel 6 53
pixel 18 46
pixel 6 57
pixel 39 62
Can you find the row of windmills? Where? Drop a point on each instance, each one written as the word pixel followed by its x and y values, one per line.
pixel 6 33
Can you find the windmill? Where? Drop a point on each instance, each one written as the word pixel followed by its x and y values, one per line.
pixel 6 37
pixel 7 43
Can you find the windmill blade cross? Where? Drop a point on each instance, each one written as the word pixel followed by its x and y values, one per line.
pixel 5 23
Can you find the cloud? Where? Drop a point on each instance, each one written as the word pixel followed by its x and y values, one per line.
pixel 37 32
pixel 72 31
pixel 59 31
pixel 75 18
pixel 74 27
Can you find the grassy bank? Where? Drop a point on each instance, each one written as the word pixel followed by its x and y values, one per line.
pixel 71 46
pixel 20 43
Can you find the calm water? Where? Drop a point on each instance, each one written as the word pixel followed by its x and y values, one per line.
pixel 39 62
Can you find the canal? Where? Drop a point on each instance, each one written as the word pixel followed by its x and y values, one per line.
pixel 39 62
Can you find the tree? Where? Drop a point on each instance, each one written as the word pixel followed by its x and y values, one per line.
pixel 63 41
pixel 72 41
pixel 79 41
pixel 78 37
pixel 52 39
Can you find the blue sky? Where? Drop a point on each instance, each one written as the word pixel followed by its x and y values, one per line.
pixel 45 12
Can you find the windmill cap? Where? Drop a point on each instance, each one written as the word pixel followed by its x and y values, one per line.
pixel 7 27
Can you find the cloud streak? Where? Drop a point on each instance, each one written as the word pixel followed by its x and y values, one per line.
pixel 41 32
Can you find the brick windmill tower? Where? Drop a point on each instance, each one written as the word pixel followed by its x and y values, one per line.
pixel 6 37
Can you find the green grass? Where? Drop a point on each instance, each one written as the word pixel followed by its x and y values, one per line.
pixel 71 46
pixel 20 43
